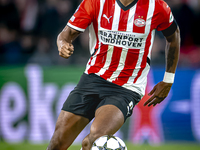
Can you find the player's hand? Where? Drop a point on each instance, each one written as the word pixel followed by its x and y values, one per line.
pixel 158 93
pixel 65 49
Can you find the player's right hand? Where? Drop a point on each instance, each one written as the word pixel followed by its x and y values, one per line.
pixel 65 49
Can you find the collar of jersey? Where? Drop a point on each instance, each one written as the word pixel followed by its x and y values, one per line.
pixel 125 8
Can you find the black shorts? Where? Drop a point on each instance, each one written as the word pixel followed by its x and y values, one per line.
pixel 93 92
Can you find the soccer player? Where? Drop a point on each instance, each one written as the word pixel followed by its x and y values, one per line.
pixel 121 37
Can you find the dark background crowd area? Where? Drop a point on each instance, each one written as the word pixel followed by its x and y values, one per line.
pixel 29 28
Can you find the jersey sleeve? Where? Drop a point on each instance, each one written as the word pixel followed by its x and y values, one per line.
pixel 82 17
pixel 166 17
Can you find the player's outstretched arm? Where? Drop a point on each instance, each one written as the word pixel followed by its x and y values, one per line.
pixel 172 51
pixel 64 41
pixel 161 90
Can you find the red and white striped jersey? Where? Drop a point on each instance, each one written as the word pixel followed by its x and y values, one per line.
pixel 121 38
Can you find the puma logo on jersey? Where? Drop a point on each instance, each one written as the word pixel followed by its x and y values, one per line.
pixel 108 19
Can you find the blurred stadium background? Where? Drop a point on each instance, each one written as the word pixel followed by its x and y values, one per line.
pixel 35 80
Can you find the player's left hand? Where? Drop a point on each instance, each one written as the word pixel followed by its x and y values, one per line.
pixel 158 93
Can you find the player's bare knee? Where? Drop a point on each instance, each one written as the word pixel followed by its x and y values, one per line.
pixel 96 132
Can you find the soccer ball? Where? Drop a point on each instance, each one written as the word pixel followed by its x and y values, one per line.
pixel 108 142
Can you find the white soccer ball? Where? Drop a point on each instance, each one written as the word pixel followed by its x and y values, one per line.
pixel 108 142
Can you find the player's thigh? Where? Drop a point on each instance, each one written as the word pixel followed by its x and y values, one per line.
pixel 108 120
pixel 68 126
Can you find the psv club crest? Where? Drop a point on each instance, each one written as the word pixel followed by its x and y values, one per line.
pixel 139 22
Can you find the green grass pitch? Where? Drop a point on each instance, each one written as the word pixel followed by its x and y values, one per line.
pixel 130 146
